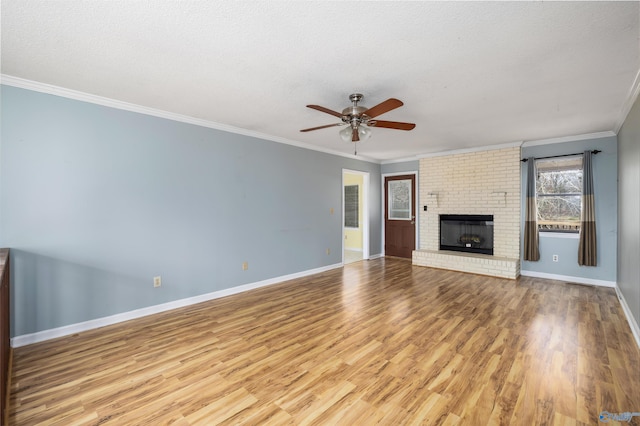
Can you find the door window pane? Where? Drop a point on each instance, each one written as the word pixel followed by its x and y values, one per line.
pixel 399 195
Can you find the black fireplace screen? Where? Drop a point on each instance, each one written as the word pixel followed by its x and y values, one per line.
pixel 466 233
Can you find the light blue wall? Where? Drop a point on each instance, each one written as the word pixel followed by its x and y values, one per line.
pixel 96 201
pixel 405 166
pixel 605 172
pixel 629 210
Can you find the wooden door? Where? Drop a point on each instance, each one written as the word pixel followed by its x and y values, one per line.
pixel 399 215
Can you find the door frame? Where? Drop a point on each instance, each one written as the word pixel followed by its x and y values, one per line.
pixel 382 209
pixel 365 211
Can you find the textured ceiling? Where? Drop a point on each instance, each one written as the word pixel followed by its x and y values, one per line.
pixel 469 73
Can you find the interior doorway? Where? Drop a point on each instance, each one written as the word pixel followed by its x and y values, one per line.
pixel 355 216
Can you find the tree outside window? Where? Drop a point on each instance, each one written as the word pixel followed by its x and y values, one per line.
pixel 559 194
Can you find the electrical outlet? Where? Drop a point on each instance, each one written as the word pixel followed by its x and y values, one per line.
pixel 328 252
pixel 245 266
pixel 555 257
pixel 157 281
pixel 331 210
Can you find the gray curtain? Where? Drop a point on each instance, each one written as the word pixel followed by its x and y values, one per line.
pixel 587 247
pixel 531 251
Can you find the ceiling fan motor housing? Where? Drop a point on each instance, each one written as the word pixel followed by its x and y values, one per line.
pixel 355 115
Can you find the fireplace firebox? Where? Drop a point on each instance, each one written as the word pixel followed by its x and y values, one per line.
pixel 467 233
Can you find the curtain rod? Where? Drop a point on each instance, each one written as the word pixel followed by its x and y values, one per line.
pixel 595 151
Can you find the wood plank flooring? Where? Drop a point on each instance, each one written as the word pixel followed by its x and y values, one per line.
pixel 375 342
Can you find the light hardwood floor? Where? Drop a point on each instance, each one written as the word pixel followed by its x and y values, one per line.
pixel 377 341
pixel 351 256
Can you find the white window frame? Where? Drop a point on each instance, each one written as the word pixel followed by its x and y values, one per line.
pixel 561 233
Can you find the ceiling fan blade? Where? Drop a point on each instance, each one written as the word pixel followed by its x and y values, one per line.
pixel 393 125
pixel 354 135
pixel 383 107
pixel 322 127
pixel 323 109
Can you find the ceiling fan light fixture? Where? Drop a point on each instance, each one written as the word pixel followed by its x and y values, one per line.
pixel 345 134
pixel 364 132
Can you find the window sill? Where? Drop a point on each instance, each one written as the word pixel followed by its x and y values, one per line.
pixel 543 234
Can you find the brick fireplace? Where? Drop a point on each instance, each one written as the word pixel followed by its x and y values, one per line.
pixel 474 183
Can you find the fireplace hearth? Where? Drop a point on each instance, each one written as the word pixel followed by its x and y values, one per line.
pixel 466 233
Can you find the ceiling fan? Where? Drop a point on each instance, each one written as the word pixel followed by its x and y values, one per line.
pixel 359 118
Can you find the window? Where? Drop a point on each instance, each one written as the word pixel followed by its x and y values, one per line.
pixel 559 194
pixel 399 199
pixel 351 203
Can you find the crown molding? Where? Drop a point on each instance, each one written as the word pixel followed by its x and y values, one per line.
pixel 401 160
pixel 573 138
pixel 634 91
pixel 469 150
pixel 522 144
pixel 50 89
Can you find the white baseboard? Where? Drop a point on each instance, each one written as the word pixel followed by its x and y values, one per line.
pixel 376 256
pixel 41 336
pixel 635 329
pixel 578 280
